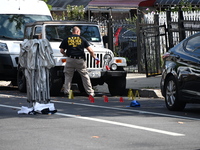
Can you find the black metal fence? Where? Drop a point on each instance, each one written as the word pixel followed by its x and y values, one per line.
pixel 154 34
pixel 181 25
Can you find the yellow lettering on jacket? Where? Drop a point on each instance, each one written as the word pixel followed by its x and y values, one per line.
pixel 74 41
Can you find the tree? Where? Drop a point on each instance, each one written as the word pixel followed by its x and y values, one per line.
pixel 49 6
pixel 75 12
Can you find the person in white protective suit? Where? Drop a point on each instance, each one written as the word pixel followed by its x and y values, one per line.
pixel 36 58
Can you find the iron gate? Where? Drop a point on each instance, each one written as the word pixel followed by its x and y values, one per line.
pixel 150 49
pixel 151 41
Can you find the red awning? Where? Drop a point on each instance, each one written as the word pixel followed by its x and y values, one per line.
pixel 147 3
pixel 120 3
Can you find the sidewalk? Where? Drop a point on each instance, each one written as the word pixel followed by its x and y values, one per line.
pixel 147 87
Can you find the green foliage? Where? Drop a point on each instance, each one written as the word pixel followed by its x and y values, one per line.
pixel 185 5
pixel 49 6
pixel 133 22
pixel 75 12
pixel 59 17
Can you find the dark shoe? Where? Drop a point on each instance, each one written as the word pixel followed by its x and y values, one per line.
pixel 66 95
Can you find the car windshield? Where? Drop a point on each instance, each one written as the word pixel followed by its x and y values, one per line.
pixel 59 32
pixel 12 26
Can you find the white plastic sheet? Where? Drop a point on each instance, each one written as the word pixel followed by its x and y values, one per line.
pixel 25 110
pixel 38 108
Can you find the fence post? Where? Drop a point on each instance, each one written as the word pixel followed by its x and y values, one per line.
pixel 169 28
pixel 110 32
pixel 110 35
pixel 139 57
pixel 181 25
pixel 157 45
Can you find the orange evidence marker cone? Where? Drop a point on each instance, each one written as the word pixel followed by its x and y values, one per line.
pixel 121 99
pixel 105 99
pixel 107 67
pixel 91 98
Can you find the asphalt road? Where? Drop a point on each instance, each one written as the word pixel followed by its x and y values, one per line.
pixel 112 125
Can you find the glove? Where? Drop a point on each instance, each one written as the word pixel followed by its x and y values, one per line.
pixel 97 61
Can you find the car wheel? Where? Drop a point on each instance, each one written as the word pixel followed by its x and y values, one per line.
pixel 117 86
pixel 55 83
pixel 21 80
pixel 171 95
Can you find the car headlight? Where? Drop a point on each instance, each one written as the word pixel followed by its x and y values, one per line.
pixel 3 47
pixel 107 57
pixel 114 66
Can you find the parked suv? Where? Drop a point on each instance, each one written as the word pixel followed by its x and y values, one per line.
pixel 110 70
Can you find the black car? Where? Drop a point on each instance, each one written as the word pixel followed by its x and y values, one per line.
pixel 180 82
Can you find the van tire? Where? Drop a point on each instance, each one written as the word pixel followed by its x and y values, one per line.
pixel 56 83
pixel 21 80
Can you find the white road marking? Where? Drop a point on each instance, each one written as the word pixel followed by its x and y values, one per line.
pixel 7 106
pixel 111 122
pixel 112 108
pixel 123 124
pixel 130 110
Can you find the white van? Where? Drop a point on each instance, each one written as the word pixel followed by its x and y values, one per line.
pixel 14 14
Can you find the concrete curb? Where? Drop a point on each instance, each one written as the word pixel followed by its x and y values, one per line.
pixel 153 93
